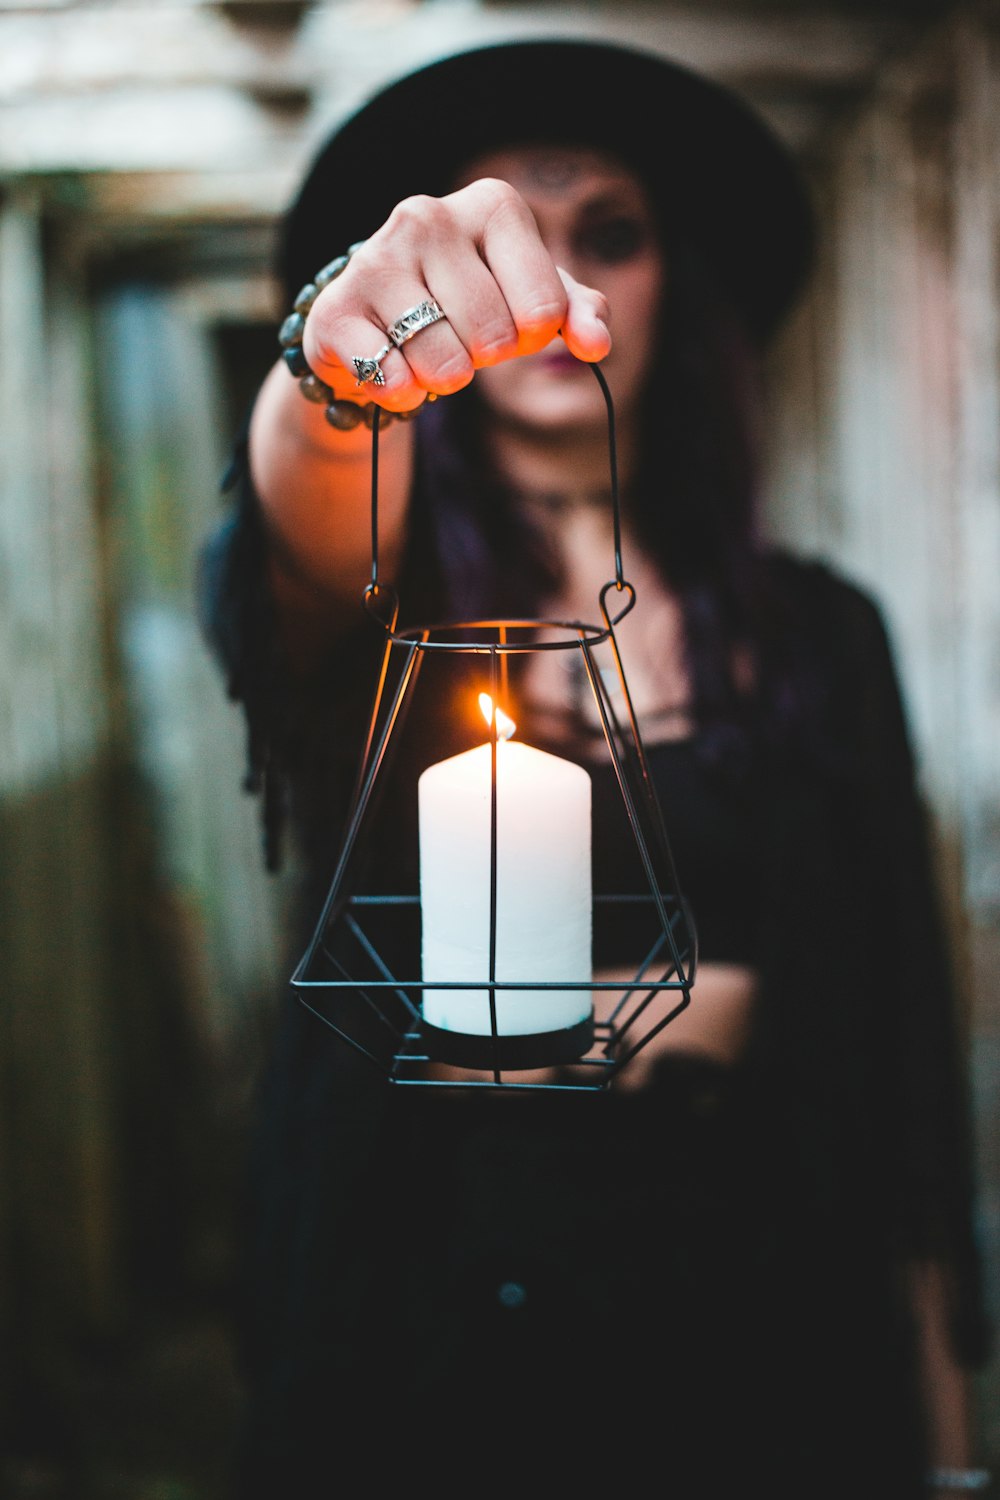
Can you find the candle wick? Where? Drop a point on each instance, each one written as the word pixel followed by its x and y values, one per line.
pixel 505 724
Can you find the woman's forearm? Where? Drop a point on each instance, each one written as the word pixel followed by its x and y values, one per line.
pixel 946 1384
pixel 314 485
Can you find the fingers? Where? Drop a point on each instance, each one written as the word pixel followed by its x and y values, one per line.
pixel 345 327
pixel 513 250
pixel 478 253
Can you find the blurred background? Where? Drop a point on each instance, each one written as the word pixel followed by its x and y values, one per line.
pixel 145 152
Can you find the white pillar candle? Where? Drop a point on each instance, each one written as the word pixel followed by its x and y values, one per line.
pixel 543 889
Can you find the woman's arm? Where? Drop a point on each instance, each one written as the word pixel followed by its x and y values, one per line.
pixel 946 1384
pixel 313 484
pixel 478 252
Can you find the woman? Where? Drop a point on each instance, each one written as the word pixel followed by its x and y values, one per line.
pixel 753 1259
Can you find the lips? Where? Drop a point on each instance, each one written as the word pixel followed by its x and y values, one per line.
pixel 559 361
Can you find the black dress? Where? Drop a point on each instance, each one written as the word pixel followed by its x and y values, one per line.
pixel 701 1280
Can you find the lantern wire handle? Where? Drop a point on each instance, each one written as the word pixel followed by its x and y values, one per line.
pixel 347 913
pixel 613 460
pixel 376 423
pixel 375 588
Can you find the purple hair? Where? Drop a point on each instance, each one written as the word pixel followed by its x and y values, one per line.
pixel 694 507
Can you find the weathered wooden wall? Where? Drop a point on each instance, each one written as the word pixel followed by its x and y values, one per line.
pixel 886 459
pixel 57 1181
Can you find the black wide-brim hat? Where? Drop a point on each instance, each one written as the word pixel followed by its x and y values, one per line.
pixel 718 175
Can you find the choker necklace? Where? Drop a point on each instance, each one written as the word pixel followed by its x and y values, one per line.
pixel 557 502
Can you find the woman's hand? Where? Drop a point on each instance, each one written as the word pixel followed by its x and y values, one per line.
pixel 478 253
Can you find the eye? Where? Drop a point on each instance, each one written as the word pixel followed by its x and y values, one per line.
pixel 614 239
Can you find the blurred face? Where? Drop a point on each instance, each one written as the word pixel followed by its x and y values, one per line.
pixel 596 220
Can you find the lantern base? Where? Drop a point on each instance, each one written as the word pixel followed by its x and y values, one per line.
pixel 537 1049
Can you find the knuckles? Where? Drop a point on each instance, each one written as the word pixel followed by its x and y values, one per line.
pixel 452 374
pixel 541 312
pixel 473 212
pixel 409 221
pixel 497 198
pixel 494 342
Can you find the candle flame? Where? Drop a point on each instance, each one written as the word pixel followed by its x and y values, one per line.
pixel 505 725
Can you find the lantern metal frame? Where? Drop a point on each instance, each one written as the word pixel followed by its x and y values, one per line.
pixel 347 975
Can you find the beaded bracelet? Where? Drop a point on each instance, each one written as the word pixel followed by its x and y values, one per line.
pixel 343 415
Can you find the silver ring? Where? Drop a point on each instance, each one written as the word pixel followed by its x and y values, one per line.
pixel 369 371
pixel 413 320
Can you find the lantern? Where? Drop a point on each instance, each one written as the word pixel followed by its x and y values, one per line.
pixel 480 972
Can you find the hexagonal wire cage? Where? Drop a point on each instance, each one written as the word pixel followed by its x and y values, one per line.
pixel 460 968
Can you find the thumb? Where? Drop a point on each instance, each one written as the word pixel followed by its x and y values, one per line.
pixel 585 326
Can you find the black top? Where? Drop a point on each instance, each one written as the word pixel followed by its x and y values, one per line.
pixel 709 821
pixel 415 1264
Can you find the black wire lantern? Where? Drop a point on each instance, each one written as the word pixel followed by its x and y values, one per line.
pixel 487 967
